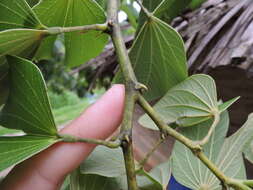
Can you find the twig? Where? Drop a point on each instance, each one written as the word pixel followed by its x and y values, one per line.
pixel 131 92
pixel 73 139
pixel 59 30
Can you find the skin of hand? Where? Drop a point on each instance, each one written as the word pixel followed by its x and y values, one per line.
pixel 47 170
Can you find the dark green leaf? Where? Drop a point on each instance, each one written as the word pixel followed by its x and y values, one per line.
pixel 105 162
pixel 158 58
pixel 169 9
pixel 32 2
pixel 196 4
pixel 227 155
pixel 191 102
pixel 14 150
pixel 17 14
pixel 22 42
pixel 166 10
pixel 27 107
pixel 80 47
pixel 4 86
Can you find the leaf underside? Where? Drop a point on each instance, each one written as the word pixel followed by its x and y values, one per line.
pixel 189 103
pixel 226 153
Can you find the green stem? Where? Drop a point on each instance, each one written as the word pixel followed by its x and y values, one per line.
pixel 60 30
pixel 131 92
pixel 73 139
pixel 248 182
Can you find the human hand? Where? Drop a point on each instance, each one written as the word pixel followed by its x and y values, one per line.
pixel 47 170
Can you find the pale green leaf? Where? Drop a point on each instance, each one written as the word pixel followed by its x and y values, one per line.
pixel 189 103
pixel 248 151
pixel 5 131
pixel 157 179
pixel 105 162
pixel 158 58
pixel 22 42
pixel 95 182
pixel 227 155
pixel 17 14
pixel 226 105
pixel 80 47
pixel 27 107
pixel 14 150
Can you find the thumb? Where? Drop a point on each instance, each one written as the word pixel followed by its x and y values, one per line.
pixel 46 171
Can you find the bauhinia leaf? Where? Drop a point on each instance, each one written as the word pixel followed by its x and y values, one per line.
pixel 80 47
pixel 158 58
pixel 226 155
pixel 14 150
pixel 22 42
pixel 27 107
pixel 104 162
pixel 189 103
pixel 17 14
pixel 157 179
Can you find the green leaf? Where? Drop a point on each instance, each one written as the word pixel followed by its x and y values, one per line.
pixel 166 10
pixel 196 4
pixel 191 102
pixel 14 150
pixel 226 105
pixel 17 14
pixel 227 155
pixel 22 42
pixel 5 131
pixel 27 107
pixel 4 85
pixel 94 182
pixel 157 179
pixel 158 58
pixel 32 2
pixel 80 47
pixel 248 151
pixel 105 162
pixel 169 9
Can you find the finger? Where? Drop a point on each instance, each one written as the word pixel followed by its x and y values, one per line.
pixel 46 170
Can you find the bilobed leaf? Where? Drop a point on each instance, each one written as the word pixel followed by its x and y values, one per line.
pixel 14 150
pixel 227 155
pixel 17 14
pixel 191 102
pixel 105 162
pixel 158 58
pixel 157 179
pixel 22 42
pixel 80 47
pixel 27 107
